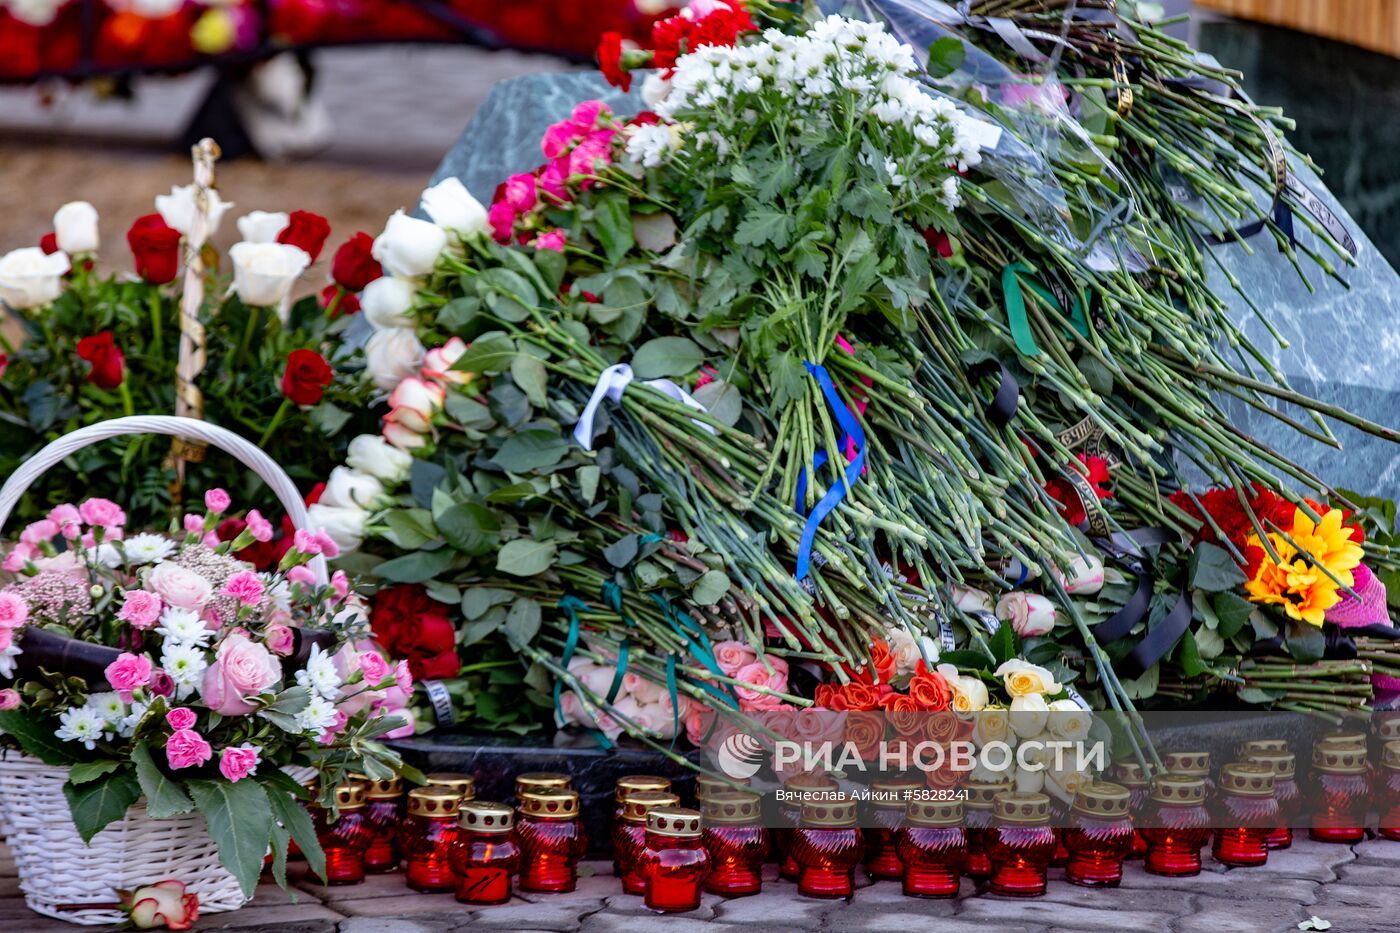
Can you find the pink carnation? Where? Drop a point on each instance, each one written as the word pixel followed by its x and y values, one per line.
pixel 559 137
pixel 102 512
pixel 140 609
pixel 37 533
pixel 186 749
pixel 586 113
pixel 237 762
pixel 520 192
pixel 340 583
pixel 9 699
pixel 14 611
pixel 374 666
pixel 502 220
pixel 301 574
pixel 193 524
pixel 128 672
pixel 245 587
pixel 67 519
pixel 403 676
pixel 326 544
pixel 181 717
pixel 259 527
pixel 554 239
pixel 216 500
pixel 306 542
pixel 19 555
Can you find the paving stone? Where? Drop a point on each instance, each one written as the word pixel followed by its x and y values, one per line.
pixel 1150 899
pixel 875 922
pixel 590 888
pixel 1314 861
pixel 288 918
pixel 410 904
pixel 669 923
pixel 777 900
pixel 1368 874
pixel 544 915
pixel 386 925
pixel 1262 914
pixel 1221 883
pixel 1363 895
pixel 1376 917
pixel 632 905
pixel 390 885
pixel 1372 851
pixel 1037 911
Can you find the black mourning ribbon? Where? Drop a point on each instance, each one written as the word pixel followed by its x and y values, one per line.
pixel 1002 408
pixel 1126 548
pixel 59 654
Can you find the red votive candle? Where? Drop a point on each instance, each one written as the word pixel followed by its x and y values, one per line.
pixel 932 847
pixel 551 840
pixel 889 800
pixel 426 836
pixel 535 781
pixel 978 819
pixel 1341 791
pixel 827 847
pixel 737 842
pixel 484 855
pixel 1130 775
pixel 1245 812
pixel 675 861
pixel 1177 825
pixel 345 838
pixel 384 810
pixel 1100 835
pixel 1388 792
pixel 629 784
pixel 1022 844
pixel 801 789
pixel 629 837
pixel 1290 800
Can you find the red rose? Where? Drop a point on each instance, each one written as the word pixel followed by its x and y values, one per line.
pixel 156 248
pixel 4 363
pixel 49 243
pixel 353 266
pixel 306 377
pixel 108 364
pixel 610 61
pixel 445 664
pixel 393 609
pixel 339 301
pixel 306 230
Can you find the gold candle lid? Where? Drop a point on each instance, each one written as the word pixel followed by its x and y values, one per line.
pixel 635 782
pixel 1016 807
pixel 532 781
pixel 636 807
pixel 1188 762
pixel 392 789
pixel 1102 798
pixel 485 816
pixel 1176 788
pixel 829 813
pixel 810 788
pixel 433 801
pixel 1388 727
pixel 550 804
pixel 981 795
pixel 463 785
pixel 934 812
pixel 707 785
pixel 1390 756
pixel 1282 764
pixel 732 807
pixel 350 796
pixel 680 822
pixel 1248 749
pixel 893 793
pixel 1346 738
pixel 1248 779
pixel 1130 774
pixel 1339 759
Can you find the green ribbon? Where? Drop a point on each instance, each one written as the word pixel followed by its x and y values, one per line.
pixel 572 605
pixel 622 652
pixel 1015 302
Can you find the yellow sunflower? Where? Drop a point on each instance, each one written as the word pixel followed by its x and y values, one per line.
pixel 1296 584
pixel 1328 543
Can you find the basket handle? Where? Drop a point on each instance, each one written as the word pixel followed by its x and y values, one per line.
pixel 240 449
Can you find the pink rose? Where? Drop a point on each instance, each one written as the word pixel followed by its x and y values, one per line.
pixel 216 500
pixel 502 220
pixel 181 717
pixel 128 672
pixel 9 699
pixel 162 684
pixel 187 749
pixel 586 113
pixel 593 153
pixel 165 903
pixel 409 726
pixel 14 611
pixel 554 180
pixel 520 192
pixel 756 674
pixel 553 239
pixel 558 138
pixel 259 527
pixel 67 519
pixel 140 609
pixel 640 689
pixel 241 669
pixel 237 762
pixel 280 639
pixel 733 655
pixel 37 533
pixel 102 512
pixel 178 587
pixel 245 587
pixel 374 666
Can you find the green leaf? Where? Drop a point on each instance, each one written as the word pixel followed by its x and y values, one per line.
pixel 164 798
pixel 1003 644
pixel 522 622
pixel 529 374
pixel 667 356
pixel 409 529
pixel 710 587
pixel 1144 686
pixel 588 477
pixel 86 771
pixel 722 400
pixel 552 265
pixel 612 217
pixel 1233 612
pixel 524 557
pixel 239 816
pixel 37 738
pixel 479 599
pixel 535 449
pixel 1304 642
pixel 1190 658
pixel 329 419
pixel 100 802
pixel 470 528
pixel 765 225
pixel 1214 570
pixel 417 567
pixel 509 296
pixel 622 551
pixel 945 55
pixel 489 353
pixel 1209 643
pixel 286 810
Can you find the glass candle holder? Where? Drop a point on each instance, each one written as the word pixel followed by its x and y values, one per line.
pixel 1059 818
pixel 1286 793
pixel 1100 835
pixel 484 855
pixel 536 781
pixel 827 846
pixel 932 847
pixel 889 801
pixel 1192 763
pixel 707 785
pixel 737 842
pixel 629 784
pixel 551 840
pixel 1022 844
pixel 1385 728
pixel 1251 747
pixel 1388 792
pixel 426 836
pixel 1130 775
pixel 629 837
pixel 1341 789
pixel 1177 825
pixel 978 819
pixel 346 837
pixel 463 785
pixel 1245 811
pixel 802 789
pixel 384 810
pixel 676 861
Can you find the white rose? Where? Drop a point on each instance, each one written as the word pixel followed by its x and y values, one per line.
pixel 1065 784
pixel 1029 613
pixel 1068 721
pixel 595 678
pixel 386 302
pixel 452 207
pixel 35 12
pixel 346 526
pixel 347 488
pixel 31 278
pixel 370 453
pixel 409 247
pixel 1028 714
pixel 905 651
pixel 264 273
pixel 971 600
pixel 1029 782
pixel 75 228
pixel 391 356
pixel 655 89
pixel 402 437
pixel 262 226
pixel 1023 678
pixel 1084 576
pixel 177 209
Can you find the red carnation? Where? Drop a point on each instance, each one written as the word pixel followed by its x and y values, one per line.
pixel 156 248
pixel 354 266
pixel 306 230
pixel 49 243
pixel 1095 469
pixel 410 624
pixel 306 377
pixel 938 241
pixel 667 38
pixel 108 364
pixel 610 61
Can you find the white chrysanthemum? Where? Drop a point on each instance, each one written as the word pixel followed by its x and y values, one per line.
pixel 80 724
pixel 183 627
pixel 104 555
pixel 951 196
pixel 147 548
pixel 318 715
pixel 7 660
pixel 320 674
pixel 127 727
pixel 109 706
pixel 185 663
pixel 278 590
pixel 649 145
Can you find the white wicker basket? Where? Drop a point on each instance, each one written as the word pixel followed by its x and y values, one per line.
pixel 60 875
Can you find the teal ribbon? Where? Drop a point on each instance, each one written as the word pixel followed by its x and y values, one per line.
pixel 622 652
pixel 699 645
pixel 572 605
pixel 675 704
pixel 1015 302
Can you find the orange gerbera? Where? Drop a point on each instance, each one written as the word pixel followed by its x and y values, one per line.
pixel 1298 585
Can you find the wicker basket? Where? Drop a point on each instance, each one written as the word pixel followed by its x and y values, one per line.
pixel 60 875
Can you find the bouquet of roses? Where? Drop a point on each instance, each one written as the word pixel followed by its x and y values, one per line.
pixel 196 680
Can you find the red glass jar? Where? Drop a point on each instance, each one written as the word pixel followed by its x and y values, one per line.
pixel 551 841
pixel 886 809
pixel 1341 789
pixel 346 837
pixel 1100 835
pixel 932 847
pixel 425 839
pixel 1388 791
pixel 1130 775
pixel 629 837
pixel 796 793
pixel 978 819
pixel 1022 844
pixel 675 862
pixel 484 855
pixel 737 842
pixel 628 784
pixel 383 812
pixel 827 846
pixel 1176 825
pixel 1245 812
pixel 1286 793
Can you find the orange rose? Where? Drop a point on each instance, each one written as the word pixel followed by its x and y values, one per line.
pixel 865 730
pixel 941 728
pixel 881 660
pixel 860 696
pixel 828 696
pixel 931 692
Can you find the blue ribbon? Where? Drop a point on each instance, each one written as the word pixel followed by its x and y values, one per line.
pixel 850 432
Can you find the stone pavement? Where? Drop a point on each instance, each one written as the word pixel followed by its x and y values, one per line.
pixel 1353 887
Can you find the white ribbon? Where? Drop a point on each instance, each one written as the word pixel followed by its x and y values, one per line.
pixel 611 383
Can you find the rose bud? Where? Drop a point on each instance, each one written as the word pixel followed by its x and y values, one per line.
pixel 1029 614
pixel 1084 576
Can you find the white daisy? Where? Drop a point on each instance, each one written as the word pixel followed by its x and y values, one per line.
pixel 318 715
pixel 320 674
pixel 109 706
pixel 147 548
pixel 7 660
pixel 183 627
pixel 185 664
pixel 80 724
pixel 278 590
pixel 104 555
